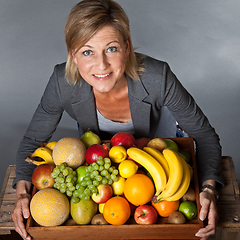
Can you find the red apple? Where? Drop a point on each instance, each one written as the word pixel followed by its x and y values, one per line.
pixel 124 139
pixel 145 214
pixel 106 145
pixel 41 177
pixel 95 151
pixel 141 142
pixel 105 192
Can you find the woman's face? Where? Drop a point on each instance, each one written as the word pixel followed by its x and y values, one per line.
pixel 101 61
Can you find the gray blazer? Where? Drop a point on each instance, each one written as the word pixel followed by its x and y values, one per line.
pixel 155 102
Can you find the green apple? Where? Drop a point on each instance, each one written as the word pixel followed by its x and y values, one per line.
pixel 83 211
pixel 89 138
pixel 81 172
pixel 171 144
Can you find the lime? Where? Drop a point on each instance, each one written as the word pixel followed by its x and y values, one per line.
pixel 189 209
pixel 127 168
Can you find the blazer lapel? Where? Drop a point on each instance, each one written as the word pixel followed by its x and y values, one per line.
pixel 140 110
pixel 84 108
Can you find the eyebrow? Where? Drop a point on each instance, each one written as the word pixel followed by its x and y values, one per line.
pixel 89 46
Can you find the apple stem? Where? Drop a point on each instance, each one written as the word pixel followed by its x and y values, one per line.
pixel 142 215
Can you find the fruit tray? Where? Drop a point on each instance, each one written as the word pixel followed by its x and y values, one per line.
pixel 130 230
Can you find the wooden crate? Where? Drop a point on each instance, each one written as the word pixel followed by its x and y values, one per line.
pixel 130 230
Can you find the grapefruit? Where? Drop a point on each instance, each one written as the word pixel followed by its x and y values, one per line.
pixel 70 150
pixel 49 207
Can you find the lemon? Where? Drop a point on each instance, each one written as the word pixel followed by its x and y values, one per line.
pixel 118 187
pixel 127 168
pixel 189 209
pixel 100 207
pixel 118 153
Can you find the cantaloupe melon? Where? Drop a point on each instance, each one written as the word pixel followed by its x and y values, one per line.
pixel 70 150
pixel 49 207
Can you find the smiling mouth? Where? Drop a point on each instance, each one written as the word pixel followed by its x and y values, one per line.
pixel 102 76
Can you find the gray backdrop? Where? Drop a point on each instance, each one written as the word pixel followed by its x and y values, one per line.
pixel 200 40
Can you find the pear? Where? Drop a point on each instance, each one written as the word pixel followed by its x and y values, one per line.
pixel 83 211
pixel 157 143
pixel 89 138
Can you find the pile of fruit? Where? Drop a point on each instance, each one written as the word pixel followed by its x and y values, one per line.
pixel 108 182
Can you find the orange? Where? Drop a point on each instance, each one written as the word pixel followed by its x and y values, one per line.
pixel 139 189
pixel 116 210
pixel 165 208
pixel 49 207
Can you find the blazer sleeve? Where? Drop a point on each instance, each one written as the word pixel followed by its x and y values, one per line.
pixel 41 128
pixel 191 118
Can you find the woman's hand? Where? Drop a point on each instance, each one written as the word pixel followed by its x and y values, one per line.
pixel 209 211
pixel 21 210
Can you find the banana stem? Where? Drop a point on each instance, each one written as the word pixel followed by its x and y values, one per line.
pixel 31 161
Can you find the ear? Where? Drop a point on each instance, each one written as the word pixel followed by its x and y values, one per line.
pixel 74 57
pixel 127 49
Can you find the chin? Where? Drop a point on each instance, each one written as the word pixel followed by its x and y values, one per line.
pixel 103 87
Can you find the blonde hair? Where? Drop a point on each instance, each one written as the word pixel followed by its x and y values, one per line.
pixel 84 20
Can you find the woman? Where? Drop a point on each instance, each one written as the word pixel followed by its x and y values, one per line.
pixel 104 83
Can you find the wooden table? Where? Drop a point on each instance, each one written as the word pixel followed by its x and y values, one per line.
pixel 228 204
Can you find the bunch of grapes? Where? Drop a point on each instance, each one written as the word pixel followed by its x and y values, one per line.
pixel 65 179
pixel 97 173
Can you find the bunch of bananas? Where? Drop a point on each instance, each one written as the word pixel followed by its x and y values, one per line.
pixel 44 153
pixel 170 172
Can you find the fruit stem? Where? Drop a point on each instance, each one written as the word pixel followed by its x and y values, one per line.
pixel 142 215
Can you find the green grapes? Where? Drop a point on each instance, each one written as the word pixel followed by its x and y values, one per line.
pixel 65 179
pixel 97 173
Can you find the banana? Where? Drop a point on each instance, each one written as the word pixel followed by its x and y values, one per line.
pixel 44 153
pixel 36 162
pixel 175 175
pixel 161 159
pixel 152 166
pixel 184 184
pixel 50 145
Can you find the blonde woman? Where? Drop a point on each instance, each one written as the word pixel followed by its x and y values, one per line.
pixel 107 87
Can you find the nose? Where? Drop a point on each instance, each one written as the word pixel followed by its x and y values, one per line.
pixel 102 62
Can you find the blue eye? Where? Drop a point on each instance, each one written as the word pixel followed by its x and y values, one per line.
pixel 87 53
pixel 112 49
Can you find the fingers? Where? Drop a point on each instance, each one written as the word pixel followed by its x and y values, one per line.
pixel 205 205
pixel 25 207
pixel 208 209
pixel 204 233
pixel 20 213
